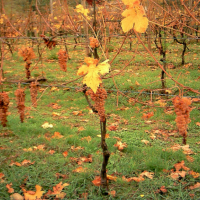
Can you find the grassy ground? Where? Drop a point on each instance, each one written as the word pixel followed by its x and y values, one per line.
pixel 56 105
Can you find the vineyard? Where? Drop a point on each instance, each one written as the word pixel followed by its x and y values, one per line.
pixel 99 99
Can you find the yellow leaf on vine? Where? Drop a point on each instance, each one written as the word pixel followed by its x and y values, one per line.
pixel 134 17
pixel 93 72
pixel 80 9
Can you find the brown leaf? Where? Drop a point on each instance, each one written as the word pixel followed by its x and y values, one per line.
pixel 25 162
pixel 181 165
pixel 189 158
pixel 76 148
pixel 145 141
pixel 197 185
pixel 112 128
pixel 9 187
pixel 112 178
pixel 148 115
pixel 198 123
pixel 81 128
pixel 77 113
pixel 147 174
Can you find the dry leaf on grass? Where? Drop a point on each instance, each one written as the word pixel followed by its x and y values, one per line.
pixel 197 185
pixel 120 146
pixel 31 195
pixel 65 153
pixel 186 149
pixel 80 169
pixel 16 196
pixel 194 174
pixel 88 139
pixel 181 165
pixel 145 141
pixel 9 187
pixel 112 193
pixel 57 135
pixel 47 125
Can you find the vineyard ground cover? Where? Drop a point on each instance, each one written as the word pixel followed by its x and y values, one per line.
pixel 75 127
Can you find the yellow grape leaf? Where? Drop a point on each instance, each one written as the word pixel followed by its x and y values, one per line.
pixel 134 17
pixel 93 72
pixel 80 9
pixel 37 195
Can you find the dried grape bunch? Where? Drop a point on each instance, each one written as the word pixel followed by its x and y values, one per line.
pixel 94 42
pixel 99 99
pixel 50 43
pixel 4 103
pixel 20 99
pixel 33 91
pixel 62 59
pixel 182 110
pixel 28 54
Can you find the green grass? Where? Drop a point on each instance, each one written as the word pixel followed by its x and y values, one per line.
pixel 132 128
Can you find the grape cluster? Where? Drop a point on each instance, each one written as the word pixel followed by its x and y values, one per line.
pixel 99 99
pixel 4 102
pixel 182 110
pixel 33 91
pixel 20 99
pixel 62 59
pixel 94 42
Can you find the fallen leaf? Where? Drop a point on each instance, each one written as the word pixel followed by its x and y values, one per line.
pixel 106 136
pixel 189 158
pixel 80 169
pixel 15 163
pixel 47 125
pixel 38 194
pixel 137 83
pixel 58 175
pixel 112 193
pixel 16 196
pixel 55 114
pixel 119 139
pixel 197 185
pixel 88 139
pixel 198 123
pixel 77 113
pixel 57 135
pixel 161 190
pixel 97 181
pixel 147 174
pixel 112 178
pixel 120 146
pixel 112 128
pixel 81 128
pixel 181 165
pixel 51 152
pixel 76 148
pixel 9 187
pixel 147 115
pixel 65 154
pixel 25 162
pixel 145 141
pixel 194 174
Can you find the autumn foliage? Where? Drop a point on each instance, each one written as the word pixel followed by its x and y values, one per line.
pixel 20 99
pixel 99 99
pixel 50 43
pixel 4 103
pixel 33 91
pixel 182 110
pixel 62 59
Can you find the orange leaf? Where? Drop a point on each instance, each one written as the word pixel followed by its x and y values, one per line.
pixel 76 148
pixel 148 115
pixel 181 165
pixel 38 194
pixel 65 154
pixel 1 175
pixel 112 128
pixel 9 187
pixel 57 135
pixel 51 152
pixel 112 193
pixel 197 185
pixel 194 174
pixel 88 139
pixel 25 162
pixel 120 146
pixel 97 181
pixel 80 169
pixel 81 128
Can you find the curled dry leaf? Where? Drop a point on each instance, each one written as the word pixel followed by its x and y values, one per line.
pixel 97 181
pixel 148 115
pixel 80 169
pixel 57 135
pixel 88 139
pixel 9 187
pixel 194 174
pixel 197 185
pixel 120 146
pixel 181 165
